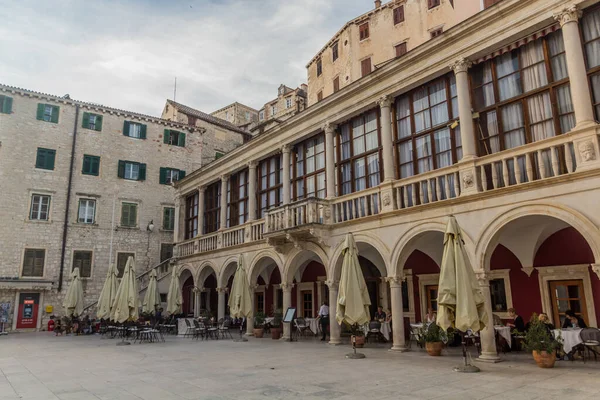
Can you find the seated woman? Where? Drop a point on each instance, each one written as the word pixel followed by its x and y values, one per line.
pixel 573 321
pixel 518 322
pixel 389 317
pixel 543 317
pixel 430 317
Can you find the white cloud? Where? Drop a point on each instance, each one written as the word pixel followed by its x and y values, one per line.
pixel 126 54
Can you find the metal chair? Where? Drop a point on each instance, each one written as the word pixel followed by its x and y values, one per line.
pixel 375 330
pixel 416 336
pixel 590 338
pixel 189 329
pixel 301 326
pixel 224 328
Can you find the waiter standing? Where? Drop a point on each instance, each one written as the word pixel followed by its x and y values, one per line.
pixel 324 316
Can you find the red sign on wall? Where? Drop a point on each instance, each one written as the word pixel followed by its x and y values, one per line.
pixel 28 310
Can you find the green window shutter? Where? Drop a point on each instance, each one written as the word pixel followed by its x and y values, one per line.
pixel 98 123
pixel 6 104
pixel 142 175
pixel 40 159
pixel 181 139
pixel 126 128
pixel 181 174
pixel 167 136
pixel 55 112
pixel 218 155
pixel 163 176
pixel 143 132
pixel 125 214
pixel 87 167
pixel 51 154
pixel 96 166
pixel 121 169
pixel 85 122
pixel 40 111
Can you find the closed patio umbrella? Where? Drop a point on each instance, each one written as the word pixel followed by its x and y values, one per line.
pixel 240 299
pixel 108 293
pixel 174 298
pixel 73 302
pixel 460 302
pixel 125 305
pixel 151 298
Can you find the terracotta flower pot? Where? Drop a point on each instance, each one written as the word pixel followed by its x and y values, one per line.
pixel 434 348
pixel 275 333
pixel 544 359
pixel 258 333
pixel 359 341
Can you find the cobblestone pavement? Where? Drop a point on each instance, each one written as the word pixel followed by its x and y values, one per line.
pixel 42 366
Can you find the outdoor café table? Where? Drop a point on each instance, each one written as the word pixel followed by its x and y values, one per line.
pixel 504 331
pixel 385 330
pixel 313 324
pixel 571 338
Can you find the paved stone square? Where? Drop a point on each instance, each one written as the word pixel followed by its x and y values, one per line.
pixel 42 366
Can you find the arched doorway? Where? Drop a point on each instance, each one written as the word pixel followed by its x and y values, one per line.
pixel 186 280
pixel 207 284
pixel 306 270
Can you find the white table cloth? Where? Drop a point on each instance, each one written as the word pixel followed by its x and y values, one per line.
pixel 182 326
pixel 504 331
pixel 313 324
pixel 571 338
pixel 386 330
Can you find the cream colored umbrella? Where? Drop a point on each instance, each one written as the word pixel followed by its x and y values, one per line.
pixel 151 298
pixel 125 305
pixel 174 298
pixel 73 302
pixel 108 293
pixel 460 302
pixel 240 299
pixel 353 296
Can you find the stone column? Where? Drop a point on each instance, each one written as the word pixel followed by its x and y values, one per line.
pixel 285 150
pixel 221 305
pixel 177 231
pixel 383 294
pixel 330 159
pixel 250 319
pixel 488 334
pixel 334 328
pixel 465 115
pixel 196 302
pixel 201 210
pixel 252 190
pixel 224 181
pixel 580 91
pixel 397 314
pixel 287 302
pixel 387 143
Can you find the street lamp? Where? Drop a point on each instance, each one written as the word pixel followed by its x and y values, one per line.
pixel 150 226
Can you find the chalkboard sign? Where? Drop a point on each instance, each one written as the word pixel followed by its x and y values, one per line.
pixel 289 315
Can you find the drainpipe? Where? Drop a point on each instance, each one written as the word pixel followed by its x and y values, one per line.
pixel 66 223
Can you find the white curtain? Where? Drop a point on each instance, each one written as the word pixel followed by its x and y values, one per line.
pixel 509 82
pixel 556 47
pixel 438 98
pixel 540 117
pixel 358 141
pixel 534 68
pixel 420 103
pixel 565 108
pixel 371 137
pixel 490 132
pixel 443 148
pixel 405 153
pixel 487 90
pixel 346 177
pixel 591 31
pixel 512 120
pixel 458 142
pixel 424 154
pixel 402 114
pixel 373 164
pixel 360 181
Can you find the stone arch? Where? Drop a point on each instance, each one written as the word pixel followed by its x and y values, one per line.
pixel 227 270
pixel 297 257
pixel 258 263
pixel 204 271
pixel 185 271
pixel 364 241
pixel 490 236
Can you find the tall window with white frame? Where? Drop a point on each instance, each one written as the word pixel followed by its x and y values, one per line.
pixel 40 207
pixel 87 211
pixel 270 193
pixel 308 168
pixel 168 218
pixel 288 102
pixel 237 198
pixel 212 208
pixel 590 33
pixel 191 216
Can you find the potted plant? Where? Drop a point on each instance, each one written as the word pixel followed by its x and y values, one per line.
pixel 434 336
pixel 358 336
pixel 541 343
pixel 259 321
pixel 276 324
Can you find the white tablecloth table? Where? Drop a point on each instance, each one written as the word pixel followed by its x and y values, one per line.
pixel 313 324
pixel 386 330
pixel 571 338
pixel 182 326
pixel 504 331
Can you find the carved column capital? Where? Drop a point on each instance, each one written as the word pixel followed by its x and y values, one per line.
pixel 221 290
pixel 569 13
pixel 332 284
pixel 482 278
pixel 201 189
pixel 254 287
pixel 287 286
pixel 329 128
pixel 286 148
pixel 224 178
pixel 252 164
pixel 461 65
pixel 384 101
pixel 395 280
pixel 596 269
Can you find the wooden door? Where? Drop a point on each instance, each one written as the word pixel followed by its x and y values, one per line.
pixel 567 295
pixel 432 295
pixel 307 303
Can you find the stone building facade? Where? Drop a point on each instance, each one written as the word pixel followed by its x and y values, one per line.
pixel 238 114
pixel 388 31
pixel 77 176
pixel 288 103
pixel 493 122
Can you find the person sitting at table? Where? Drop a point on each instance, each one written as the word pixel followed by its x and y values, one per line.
pixel 518 322
pixel 543 317
pixel 430 317
pixel 389 317
pixel 573 321
pixel 379 315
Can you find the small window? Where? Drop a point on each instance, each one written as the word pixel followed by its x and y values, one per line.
pixel 364 31
pixel 33 262
pixel 87 211
pixel 129 215
pixel 365 66
pixel 83 261
pixel 91 165
pixel 319 67
pixel 261 115
pixel 247 116
pixel 218 154
pixel 398 15
pixel 170 175
pixel 45 158
pixel 92 121
pixel 174 138
pixel 163 297
pixel 132 171
pixel 273 110
pixel 288 102
pixel 320 96
pixel 334 51
pixel 122 262
pixel 168 218
pixel 5 104
pixel 436 32
pixel 336 84
pixel 433 3
pixel 48 113
pixel 166 252
pixel 400 49
pixel 498 295
pixel 40 207
pixel 134 130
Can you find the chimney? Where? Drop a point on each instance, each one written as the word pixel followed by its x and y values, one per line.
pixel 377 3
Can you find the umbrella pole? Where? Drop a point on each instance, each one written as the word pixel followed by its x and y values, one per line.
pixel 242 338
pixel 466 367
pixel 354 355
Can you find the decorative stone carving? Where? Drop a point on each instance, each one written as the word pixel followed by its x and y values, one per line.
pixel 224 178
pixel 395 280
pixel 386 199
pixel 285 148
pixel 221 290
pixel 332 284
pixel 295 242
pixel 569 13
pixel 461 65
pixel 482 278
pixel 385 101
pixel 327 214
pixel 468 180
pixel 329 128
pixel 528 270
pixel 587 151
pixel 596 269
pixel 286 286
pixel 252 164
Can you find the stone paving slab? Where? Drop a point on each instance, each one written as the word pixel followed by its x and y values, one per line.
pixel 42 366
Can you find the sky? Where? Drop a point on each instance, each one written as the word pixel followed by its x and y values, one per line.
pixel 126 54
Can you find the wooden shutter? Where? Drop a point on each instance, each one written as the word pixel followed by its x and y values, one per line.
pixel 6 104
pixel 40 111
pixel 166 218
pixel 336 84
pixel 162 176
pixel 121 169
pixel 96 165
pixel 98 123
pixel 142 174
pixel 167 136
pixel 85 121
pixel 143 132
pixel 181 174
pixel 181 139
pixel 320 96
pixel 45 159
pixel 364 31
pixel 398 15
pixel 55 112
pixel 133 214
pixel 126 128
pixel 125 214
pixel 365 66
pixel 401 49
pixel 87 165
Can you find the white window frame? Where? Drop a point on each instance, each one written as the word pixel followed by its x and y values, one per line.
pixel 171 173
pixel 135 130
pixel 86 209
pixel 273 110
pixel 504 275
pixel 23 262
pixel 426 280
pixel 305 286
pixel 261 115
pixel 92 121
pixel 48 112
pixel 130 169
pixel 38 211
pixel 288 102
